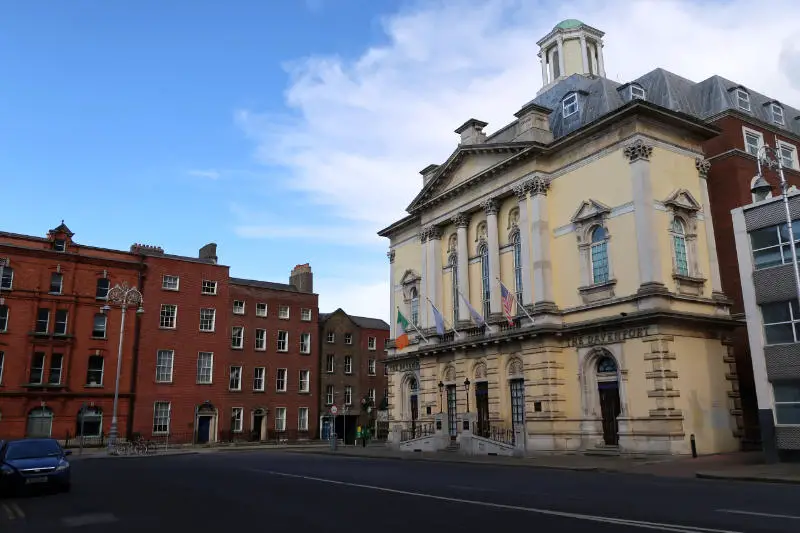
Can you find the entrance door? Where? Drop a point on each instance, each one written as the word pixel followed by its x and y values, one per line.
pixel 258 425
pixel 414 414
pixel 203 429
pixel 451 411
pixel 610 409
pixel 517 402
pixel 482 406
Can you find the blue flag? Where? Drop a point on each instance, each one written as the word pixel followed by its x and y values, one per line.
pixel 439 319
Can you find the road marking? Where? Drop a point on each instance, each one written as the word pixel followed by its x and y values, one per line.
pixel 753 513
pixel 476 489
pixel 676 528
pixel 88 519
pixel 13 511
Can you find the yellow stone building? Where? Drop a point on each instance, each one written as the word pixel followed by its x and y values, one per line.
pixel 592 208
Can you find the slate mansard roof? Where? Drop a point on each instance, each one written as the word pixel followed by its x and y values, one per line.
pixel 360 321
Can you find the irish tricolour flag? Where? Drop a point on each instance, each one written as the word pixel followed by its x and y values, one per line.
pixel 401 335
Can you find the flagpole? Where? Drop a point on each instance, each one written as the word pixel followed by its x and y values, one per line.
pixel 515 299
pixel 452 326
pixel 416 328
pixel 473 312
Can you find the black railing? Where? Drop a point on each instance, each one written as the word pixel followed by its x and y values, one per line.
pixel 505 326
pixel 501 434
pixel 477 331
pixel 416 430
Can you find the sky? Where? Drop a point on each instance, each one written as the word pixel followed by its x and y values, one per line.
pixel 291 132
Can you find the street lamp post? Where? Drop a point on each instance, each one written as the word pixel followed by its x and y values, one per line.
pixel 771 157
pixel 122 296
pixel 466 389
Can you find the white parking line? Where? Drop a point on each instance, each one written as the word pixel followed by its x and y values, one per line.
pixel 675 528
pixel 753 513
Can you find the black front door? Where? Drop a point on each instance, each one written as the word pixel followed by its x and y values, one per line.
pixel 203 429
pixel 414 414
pixel 451 411
pixel 610 409
pixel 258 422
pixel 482 406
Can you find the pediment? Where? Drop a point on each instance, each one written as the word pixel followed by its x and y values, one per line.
pixel 410 276
pixel 682 199
pixel 588 210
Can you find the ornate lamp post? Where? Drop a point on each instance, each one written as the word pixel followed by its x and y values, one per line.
pixel 122 296
pixel 466 389
pixel 441 400
pixel 771 157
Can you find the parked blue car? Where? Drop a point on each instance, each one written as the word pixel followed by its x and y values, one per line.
pixel 33 463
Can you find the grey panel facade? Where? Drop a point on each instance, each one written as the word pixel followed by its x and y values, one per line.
pixel 775 284
pixel 788 437
pixel 771 213
pixel 783 361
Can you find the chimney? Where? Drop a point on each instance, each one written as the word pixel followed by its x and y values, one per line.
pixel 146 249
pixel 302 279
pixel 209 252
pixel 427 173
pixel 533 124
pixel 472 131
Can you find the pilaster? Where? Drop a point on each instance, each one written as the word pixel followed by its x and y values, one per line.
pixel 584 55
pixel 423 282
pixel 543 300
pixel 490 207
pixel 651 281
pixel 435 267
pixel 561 69
pixel 545 75
pixel 461 221
pixel 392 305
pixel 703 167
pixel 525 244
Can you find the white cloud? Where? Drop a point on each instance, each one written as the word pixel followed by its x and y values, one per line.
pixel 346 236
pixel 360 130
pixel 210 174
pixel 362 299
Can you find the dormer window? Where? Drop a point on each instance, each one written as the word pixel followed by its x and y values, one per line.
pixel 742 99
pixel 59 245
pixel 638 92
pixel 570 105
pixel 777 115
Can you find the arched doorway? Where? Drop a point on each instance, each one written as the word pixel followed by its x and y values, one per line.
pixel 40 422
pixel 259 424
pixel 608 391
pixel 413 393
pixel 205 423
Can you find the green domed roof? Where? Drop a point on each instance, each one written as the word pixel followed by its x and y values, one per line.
pixel 569 24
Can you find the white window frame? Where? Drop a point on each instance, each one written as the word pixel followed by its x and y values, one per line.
pixel 261 309
pixel 60 277
pixel 201 368
pixel 782 247
pixel 280 419
pixel 213 319
pixel 305 314
pixel 168 320
pixel 372 343
pixel 260 340
pixel 158 416
pixel 794 383
pixel 348 395
pixel 305 343
pixel 6 312
pixel 283 341
pixel 208 287
pixel 569 105
pixel 348 338
pixel 235 377
pixel 105 326
pixel 260 381
pixel 56 364
pixel 281 379
pixel 166 282
pixel 372 367
pixel 302 419
pixel 240 337
pixel 637 91
pixel 742 98
pixel 371 395
pixel 237 419
pixel 778 116
pixel 39 321
pixel 792 160
pixel 283 312
pixel 238 307
pixel 165 371
pixel 330 363
pixel 330 394
pixel 56 322
pixel 88 370
pixel 305 381
pixel 2 360
pixel 348 364
pixel 793 322
pixel 760 136
pixel 330 337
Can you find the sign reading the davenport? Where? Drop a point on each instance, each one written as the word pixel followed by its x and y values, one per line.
pixel 607 337
pixel 403 365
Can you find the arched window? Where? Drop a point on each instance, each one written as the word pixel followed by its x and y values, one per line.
pixel 606 365
pixel 599 255
pixel 483 251
pixel 90 421
pixel 40 423
pixel 454 288
pixel 515 240
pixel 414 306
pixel 678 231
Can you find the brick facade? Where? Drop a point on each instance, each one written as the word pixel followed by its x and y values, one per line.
pixel 343 337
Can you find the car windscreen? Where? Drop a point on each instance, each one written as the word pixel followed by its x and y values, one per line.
pixel 32 449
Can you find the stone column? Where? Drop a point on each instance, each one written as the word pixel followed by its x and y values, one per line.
pixel 461 221
pixel 491 208
pixel 434 270
pixel 649 254
pixel 540 246
pixel 423 282
pixel 600 65
pixel 584 55
pixel 545 74
pixel 525 244
pixel 392 305
pixel 703 166
pixel 561 55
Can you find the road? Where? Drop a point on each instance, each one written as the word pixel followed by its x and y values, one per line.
pixel 306 492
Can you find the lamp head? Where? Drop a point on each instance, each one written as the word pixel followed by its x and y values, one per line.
pixel 140 310
pixel 105 309
pixel 441 386
pixel 760 188
pixel 466 384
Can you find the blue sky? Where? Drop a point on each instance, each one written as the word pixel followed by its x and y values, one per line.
pixel 291 131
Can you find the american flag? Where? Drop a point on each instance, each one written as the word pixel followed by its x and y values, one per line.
pixel 508 302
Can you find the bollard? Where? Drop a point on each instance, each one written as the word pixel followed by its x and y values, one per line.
pixel 694 446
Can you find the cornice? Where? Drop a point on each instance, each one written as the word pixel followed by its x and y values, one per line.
pixel 755 121
pixel 68 257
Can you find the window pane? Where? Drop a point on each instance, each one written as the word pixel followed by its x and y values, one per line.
pixel 779 334
pixel 768 257
pixel 775 312
pixel 788 413
pixel 787 391
pixel 764 238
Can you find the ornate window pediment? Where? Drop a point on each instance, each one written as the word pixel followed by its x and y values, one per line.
pixel 481 232
pixel 513 219
pixel 409 281
pixel 590 210
pixel 684 201
pixel 452 244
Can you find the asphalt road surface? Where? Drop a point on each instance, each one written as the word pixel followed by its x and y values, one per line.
pixel 270 490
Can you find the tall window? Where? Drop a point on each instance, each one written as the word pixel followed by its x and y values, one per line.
pixel 329 395
pixel 485 285
pixel 6 278
pixel 3 317
pixel 161 412
pixel 280 380
pixel 454 288
pixel 414 306
pixel 101 292
pixel 164 364
pixel 787 402
pixel 305 381
pixel 235 378
pixel 259 378
pixel 280 419
pixel 205 367
pixel 771 245
pixel 781 322
pixel 99 326
pixel 302 418
pixel 679 243
pixel 516 241
pixel 599 255
pixel 94 370
pixel 237 419
pixel 348 395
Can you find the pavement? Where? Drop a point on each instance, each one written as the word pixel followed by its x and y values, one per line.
pixel 209 492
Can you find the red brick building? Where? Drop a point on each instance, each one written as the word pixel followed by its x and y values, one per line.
pixel 352 355
pixel 59 344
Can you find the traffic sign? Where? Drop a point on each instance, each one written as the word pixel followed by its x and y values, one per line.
pixel 334 410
